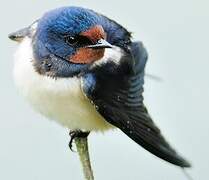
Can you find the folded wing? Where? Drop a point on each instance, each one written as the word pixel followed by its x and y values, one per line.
pixel 119 100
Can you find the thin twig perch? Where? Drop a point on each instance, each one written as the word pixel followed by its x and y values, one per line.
pixel 83 152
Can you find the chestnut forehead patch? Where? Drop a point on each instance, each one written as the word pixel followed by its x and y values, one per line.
pixel 95 33
pixel 88 55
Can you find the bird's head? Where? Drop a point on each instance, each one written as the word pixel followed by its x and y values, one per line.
pixel 67 41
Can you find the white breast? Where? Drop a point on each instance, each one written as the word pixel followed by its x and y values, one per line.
pixel 61 100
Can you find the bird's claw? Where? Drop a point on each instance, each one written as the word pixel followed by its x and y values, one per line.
pixel 76 134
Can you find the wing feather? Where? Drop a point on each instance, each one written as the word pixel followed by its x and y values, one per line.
pixel 118 94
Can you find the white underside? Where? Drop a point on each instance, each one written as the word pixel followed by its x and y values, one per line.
pixel 61 100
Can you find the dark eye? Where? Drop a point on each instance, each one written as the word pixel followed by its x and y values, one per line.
pixel 78 41
pixel 71 40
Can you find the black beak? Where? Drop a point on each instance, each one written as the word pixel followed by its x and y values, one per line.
pixel 19 35
pixel 100 44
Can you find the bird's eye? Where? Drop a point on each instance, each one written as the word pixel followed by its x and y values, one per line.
pixel 77 41
pixel 71 40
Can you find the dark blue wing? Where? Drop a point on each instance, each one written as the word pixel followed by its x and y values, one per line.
pixel 118 92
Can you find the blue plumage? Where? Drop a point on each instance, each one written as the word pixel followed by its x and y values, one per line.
pixel 89 83
pixel 69 42
pixel 55 25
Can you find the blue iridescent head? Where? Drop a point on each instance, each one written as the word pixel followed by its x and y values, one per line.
pixel 68 40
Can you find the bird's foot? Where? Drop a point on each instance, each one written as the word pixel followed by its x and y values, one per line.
pixel 76 134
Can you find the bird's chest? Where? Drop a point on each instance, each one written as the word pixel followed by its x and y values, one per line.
pixel 58 99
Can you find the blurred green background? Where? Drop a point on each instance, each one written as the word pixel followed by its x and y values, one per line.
pixel 176 36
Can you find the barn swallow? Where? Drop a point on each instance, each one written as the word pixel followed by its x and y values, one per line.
pixel 83 70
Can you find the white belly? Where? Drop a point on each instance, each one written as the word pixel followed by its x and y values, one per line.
pixel 61 100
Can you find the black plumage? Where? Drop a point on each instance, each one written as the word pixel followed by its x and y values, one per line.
pixel 118 97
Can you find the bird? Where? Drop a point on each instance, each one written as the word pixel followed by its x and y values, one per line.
pixel 84 70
